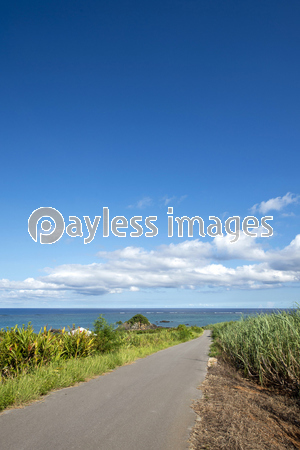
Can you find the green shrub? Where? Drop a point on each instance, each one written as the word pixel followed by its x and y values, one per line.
pixel 21 349
pixel 196 329
pixel 150 331
pixel 106 337
pixel 77 345
pixel 184 333
pixel 138 318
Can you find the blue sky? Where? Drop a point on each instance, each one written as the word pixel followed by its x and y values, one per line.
pixel 139 106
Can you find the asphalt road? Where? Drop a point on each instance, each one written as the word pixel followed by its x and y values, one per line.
pixel 142 406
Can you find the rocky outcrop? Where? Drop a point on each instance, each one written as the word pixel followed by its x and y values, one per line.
pixel 138 326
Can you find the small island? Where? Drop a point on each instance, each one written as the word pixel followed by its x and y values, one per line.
pixel 137 322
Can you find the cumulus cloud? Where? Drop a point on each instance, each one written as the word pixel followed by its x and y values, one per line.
pixel 190 264
pixel 246 248
pixel 26 285
pixel 276 204
pixel 287 258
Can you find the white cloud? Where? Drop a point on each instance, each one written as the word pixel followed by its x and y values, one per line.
pixel 188 265
pixel 148 201
pixel 167 200
pixel 143 203
pixel 276 204
pixel 134 289
pixel 245 248
pixel 287 258
pixel 291 214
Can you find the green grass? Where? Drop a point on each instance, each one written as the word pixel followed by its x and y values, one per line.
pixel 265 347
pixel 26 387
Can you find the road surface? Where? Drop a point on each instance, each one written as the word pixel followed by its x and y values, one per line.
pixel 142 406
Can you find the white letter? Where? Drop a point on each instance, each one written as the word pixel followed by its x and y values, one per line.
pixel 247 225
pixel 218 226
pixel 115 225
pixel 77 225
pixel 267 226
pixel 236 231
pixel 151 226
pixel 170 221
pixel 105 222
pixel 91 228
pixel 136 226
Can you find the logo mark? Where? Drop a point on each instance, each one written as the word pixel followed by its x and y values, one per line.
pixel 48 238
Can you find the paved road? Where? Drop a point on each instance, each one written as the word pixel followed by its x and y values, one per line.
pixel 142 406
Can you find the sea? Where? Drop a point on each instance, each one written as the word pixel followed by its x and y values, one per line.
pixel 59 318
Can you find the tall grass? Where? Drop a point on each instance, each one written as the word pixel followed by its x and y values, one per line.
pixel 266 346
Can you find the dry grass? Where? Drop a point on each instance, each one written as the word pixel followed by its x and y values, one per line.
pixel 237 414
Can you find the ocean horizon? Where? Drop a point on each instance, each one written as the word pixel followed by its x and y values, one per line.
pixel 85 317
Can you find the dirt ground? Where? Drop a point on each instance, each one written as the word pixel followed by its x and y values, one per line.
pixel 237 414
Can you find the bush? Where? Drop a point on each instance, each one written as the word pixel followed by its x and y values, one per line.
pixel 106 339
pixel 22 349
pixel 196 329
pixel 150 331
pixel 77 345
pixel 184 332
pixel 138 318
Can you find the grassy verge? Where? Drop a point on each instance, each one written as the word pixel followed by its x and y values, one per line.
pixel 30 386
pixel 265 347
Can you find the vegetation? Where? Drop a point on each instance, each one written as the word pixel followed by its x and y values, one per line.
pixel 21 349
pixel 184 332
pixel 265 347
pixel 33 364
pixel 138 318
pixel 106 338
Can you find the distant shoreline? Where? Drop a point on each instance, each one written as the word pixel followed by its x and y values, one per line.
pixel 84 317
